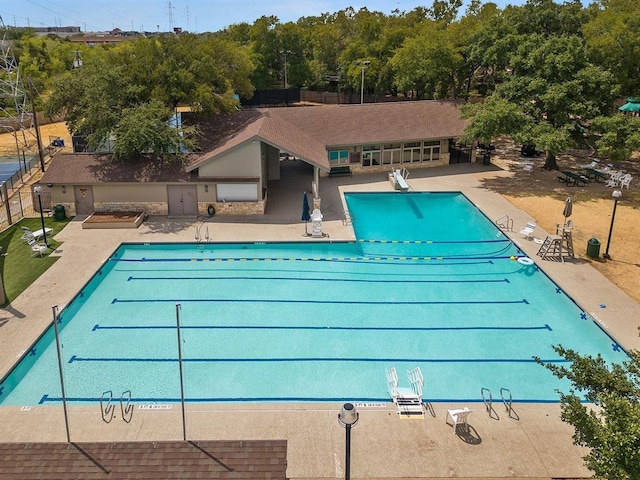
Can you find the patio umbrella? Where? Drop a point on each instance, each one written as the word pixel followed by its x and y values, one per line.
pixel 632 105
pixel 305 211
pixel 568 208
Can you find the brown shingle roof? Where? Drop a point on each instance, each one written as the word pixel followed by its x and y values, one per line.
pixel 377 122
pixel 248 460
pixel 308 131
pixel 86 169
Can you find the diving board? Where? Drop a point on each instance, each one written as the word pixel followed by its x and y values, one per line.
pixel 397 178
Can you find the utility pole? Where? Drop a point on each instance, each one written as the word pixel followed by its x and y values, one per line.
pixel 35 122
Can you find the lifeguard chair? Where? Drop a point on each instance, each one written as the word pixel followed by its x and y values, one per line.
pixel 316 223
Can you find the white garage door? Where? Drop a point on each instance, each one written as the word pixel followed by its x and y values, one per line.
pixel 237 192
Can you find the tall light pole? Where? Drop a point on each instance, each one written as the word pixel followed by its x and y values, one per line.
pixel 348 417
pixel 38 190
pixel 363 65
pixel 286 84
pixel 617 194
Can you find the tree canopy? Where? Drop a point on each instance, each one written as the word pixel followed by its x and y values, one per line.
pixel 610 424
pixel 561 65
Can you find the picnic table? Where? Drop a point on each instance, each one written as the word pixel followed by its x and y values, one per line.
pixel 594 174
pixel 572 179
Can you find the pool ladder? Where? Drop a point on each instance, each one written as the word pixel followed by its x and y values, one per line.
pixel 505 223
pixel 507 401
pixel 108 408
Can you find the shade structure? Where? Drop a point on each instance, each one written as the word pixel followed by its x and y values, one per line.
pixel 568 208
pixel 305 211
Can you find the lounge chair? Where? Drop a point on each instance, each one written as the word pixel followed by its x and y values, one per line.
pixel 458 417
pixel 594 164
pixel 36 248
pixel 528 229
pixel 26 233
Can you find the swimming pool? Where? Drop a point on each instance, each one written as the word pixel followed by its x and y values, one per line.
pixel 430 282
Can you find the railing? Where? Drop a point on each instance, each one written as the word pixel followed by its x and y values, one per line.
pixel 505 223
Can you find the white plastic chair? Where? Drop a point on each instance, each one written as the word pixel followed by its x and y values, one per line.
pixel 36 248
pixel 626 180
pixel 528 229
pixel 614 179
pixel 458 417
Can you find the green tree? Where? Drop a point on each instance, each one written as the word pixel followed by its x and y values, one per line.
pixel 556 87
pixel 610 424
pixel 618 136
pixel 613 41
pixel 145 130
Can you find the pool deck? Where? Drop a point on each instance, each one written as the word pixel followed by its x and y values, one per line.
pixel 534 445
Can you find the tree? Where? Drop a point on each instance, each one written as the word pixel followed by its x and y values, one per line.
pixel 610 424
pixel 613 40
pixel 144 130
pixel 618 136
pixel 551 80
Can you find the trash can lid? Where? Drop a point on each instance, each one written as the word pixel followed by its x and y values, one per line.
pixel 594 241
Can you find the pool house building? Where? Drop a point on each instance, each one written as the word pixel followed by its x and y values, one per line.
pixel 239 154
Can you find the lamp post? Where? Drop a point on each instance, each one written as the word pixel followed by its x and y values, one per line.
pixel 617 194
pixel 38 190
pixel 348 417
pixel 363 65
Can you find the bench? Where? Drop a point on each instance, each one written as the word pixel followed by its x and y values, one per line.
pixel 341 170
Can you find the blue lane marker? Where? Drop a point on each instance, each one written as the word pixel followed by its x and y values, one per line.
pixel 281 327
pixel 142 400
pixel 75 358
pixel 368 259
pixel 316 279
pixel 339 302
pixel 433 242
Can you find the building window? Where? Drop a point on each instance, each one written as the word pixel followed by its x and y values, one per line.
pixel 391 153
pixel 370 155
pixel 411 152
pixel 431 151
pixel 339 157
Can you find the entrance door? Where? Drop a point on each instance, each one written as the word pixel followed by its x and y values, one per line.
pixel 183 200
pixel 459 153
pixel 84 199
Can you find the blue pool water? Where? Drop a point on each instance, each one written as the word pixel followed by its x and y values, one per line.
pixel 430 282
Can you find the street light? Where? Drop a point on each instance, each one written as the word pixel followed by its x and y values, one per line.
pixel 38 190
pixel 286 84
pixel 363 65
pixel 347 418
pixel 617 194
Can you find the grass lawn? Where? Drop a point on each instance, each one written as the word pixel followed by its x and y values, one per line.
pixel 17 267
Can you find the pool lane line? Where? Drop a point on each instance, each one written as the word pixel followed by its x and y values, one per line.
pixel 316 279
pixel 163 400
pixel 524 301
pixel 281 327
pixel 75 358
pixel 431 242
pixel 394 258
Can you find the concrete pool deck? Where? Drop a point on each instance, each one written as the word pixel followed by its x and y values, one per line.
pixel 536 445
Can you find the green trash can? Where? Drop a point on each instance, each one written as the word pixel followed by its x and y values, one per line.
pixel 593 248
pixel 59 212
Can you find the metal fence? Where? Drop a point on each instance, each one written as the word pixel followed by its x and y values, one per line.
pixel 22 204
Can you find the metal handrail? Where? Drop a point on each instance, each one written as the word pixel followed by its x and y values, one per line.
pixel 509 405
pixel 108 410
pixel 126 408
pixel 488 405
